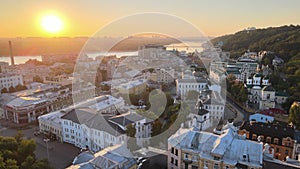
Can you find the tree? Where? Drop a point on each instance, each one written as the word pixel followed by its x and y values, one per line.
pixel 15 153
pixel 20 87
pixel 130 130
pixel 37 78
pixel 26 148
pixel 4 90
pixel 192 95
pixel 294 115
pixel 11 164
pixel 19 136
pixel 156 127
pixel 2 163
pixel 11 89
pixel 41 164
pixel 29 161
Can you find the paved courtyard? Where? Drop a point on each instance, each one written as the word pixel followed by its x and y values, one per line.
pixel 61 155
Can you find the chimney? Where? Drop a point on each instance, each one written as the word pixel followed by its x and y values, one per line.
pixel 11 54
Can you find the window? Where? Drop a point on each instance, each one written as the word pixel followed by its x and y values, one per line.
pixel 268 139
pixel 275 140
pixel 172 160
pixel 172 150
pixel 286 152
pixel 194 167
pixel 176 162
pixel 216 166
pixel 176 152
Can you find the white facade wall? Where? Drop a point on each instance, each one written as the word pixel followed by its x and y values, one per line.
pixel 82 136
pixel 202 121
pixel 216 111
pixel 184 87
pixel 8 80
pixel 261 118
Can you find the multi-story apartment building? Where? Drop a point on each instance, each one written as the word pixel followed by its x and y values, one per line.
pixel 189 82
pixel 132 87
pixel 50 124
pixel 164 76
pixel 86 128
pixel 192 149
pixel 10 79
pixel 214 103
pixel 280 138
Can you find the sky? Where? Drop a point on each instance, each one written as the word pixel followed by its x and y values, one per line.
pixel 22 18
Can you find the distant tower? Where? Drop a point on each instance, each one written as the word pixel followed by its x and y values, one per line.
pixel 11 54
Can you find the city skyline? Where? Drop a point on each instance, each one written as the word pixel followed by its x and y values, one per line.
pixel 213 18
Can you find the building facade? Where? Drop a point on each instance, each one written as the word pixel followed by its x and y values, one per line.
pixel 9 79
pixel 280 138
pixel 24 110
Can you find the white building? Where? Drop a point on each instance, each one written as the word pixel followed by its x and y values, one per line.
pixel 189 148
pixel 86 128
pixel 9 79
pixel 142 125
pixel 214 103
pixel 199 118
pixel 164 76
pixel 188 82
pixel 261 118
pixel 132 87
pixel 267 98
pixel 50 124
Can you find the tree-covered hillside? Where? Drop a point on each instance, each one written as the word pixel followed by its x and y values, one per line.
pixel 283 41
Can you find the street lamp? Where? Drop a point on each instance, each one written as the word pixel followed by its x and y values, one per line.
pixel 47 140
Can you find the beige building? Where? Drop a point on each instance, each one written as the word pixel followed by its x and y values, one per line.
pixel 192 149
pixel 267 98
pixel 133 87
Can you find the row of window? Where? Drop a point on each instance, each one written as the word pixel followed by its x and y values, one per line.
pixel 191 86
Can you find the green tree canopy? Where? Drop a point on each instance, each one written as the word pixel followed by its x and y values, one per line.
pixel 294 115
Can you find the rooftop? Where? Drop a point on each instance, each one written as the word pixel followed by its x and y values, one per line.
pixel 229 146
pixel 268 130
pixel 25 101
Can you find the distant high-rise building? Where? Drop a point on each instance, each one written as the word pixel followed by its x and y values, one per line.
pixel 11 53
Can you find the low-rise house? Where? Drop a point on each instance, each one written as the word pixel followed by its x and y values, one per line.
pixel 261 118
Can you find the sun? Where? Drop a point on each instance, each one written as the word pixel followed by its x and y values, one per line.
pixel 52 24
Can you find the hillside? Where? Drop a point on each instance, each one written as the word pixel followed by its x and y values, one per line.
pixel 284 41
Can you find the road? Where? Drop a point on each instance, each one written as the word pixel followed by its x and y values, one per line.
pixel 61 155
pixel 241 114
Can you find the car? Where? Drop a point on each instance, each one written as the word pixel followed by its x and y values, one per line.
pixel 140 159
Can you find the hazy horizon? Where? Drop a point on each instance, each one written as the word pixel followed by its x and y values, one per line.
pixel 84 18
